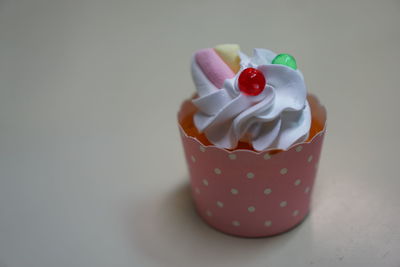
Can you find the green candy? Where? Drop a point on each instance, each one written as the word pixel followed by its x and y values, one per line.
pixel 285 59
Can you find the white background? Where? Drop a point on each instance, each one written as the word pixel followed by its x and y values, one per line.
pixel 92 171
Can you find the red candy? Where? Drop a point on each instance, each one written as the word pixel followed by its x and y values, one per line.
pixel 251 81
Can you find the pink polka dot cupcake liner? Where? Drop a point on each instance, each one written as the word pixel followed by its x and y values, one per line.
pixel 253 194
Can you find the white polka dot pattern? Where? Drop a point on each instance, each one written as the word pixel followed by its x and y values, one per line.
pixel 267 156
pixel 267 191
pixel 234 191
pixel 232 156
pixel 236 223
pixel 283 204
pixel 250 175
pixel 252 194
pixel 251 209
pixel 267 223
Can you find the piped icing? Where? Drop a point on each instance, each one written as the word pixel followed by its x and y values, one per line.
pixel 274 116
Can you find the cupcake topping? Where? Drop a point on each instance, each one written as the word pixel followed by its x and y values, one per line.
pixel 259 99
pixel 251 81
pixel 285 59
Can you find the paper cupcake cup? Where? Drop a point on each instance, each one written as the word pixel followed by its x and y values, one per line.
pixel 253 194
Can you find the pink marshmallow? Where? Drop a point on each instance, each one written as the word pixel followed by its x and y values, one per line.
pixel 215 69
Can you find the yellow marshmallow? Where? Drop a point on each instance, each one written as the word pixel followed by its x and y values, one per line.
pixel 230 55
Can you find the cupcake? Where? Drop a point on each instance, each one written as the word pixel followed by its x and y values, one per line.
pixel 252 137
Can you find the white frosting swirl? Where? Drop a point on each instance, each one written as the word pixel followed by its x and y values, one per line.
pixel 277 118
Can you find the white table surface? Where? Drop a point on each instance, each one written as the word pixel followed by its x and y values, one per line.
pixel 92 171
